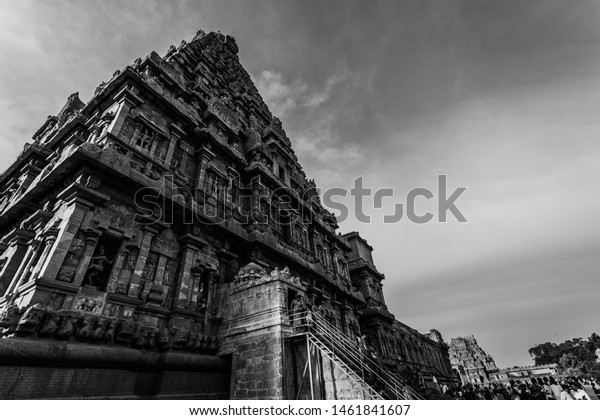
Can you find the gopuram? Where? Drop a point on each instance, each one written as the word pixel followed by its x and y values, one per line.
pixel 162 241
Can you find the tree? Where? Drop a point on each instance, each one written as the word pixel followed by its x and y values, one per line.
pixel 576 355
pixel 571 365
pixel 545 353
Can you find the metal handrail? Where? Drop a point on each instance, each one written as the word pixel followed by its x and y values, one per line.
pixel 339 343
pixel 366 388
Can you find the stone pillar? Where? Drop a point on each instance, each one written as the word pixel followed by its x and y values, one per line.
pixel 136 277
pixel 231 177
pixel 136 133
pixel 344 319
pixel 26 267
pixel 16 254
pixel 117 267
pixel 190 245
pixel 126 271
pixel 127 100
pixel 255 326
pixel 160 269
pixel 91 240
pixel 49 240
pixel 255 202
pixel 173 140
pixel 78 200
pixel 203 157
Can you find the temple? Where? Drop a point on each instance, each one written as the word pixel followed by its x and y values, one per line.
pixel 474 366
pixel 161 240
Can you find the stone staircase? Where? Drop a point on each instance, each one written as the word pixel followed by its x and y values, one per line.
pixel 375 381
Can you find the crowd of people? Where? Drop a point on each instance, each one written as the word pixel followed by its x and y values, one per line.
pixel 541 388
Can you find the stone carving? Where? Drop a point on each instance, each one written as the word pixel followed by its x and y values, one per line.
pixel 150 338
pixel 165 243
pixel 118 216
pixel 219 107
pixel 109 336
pixel 30 320
pixel 150 267
pixel 170 272
pixel 298 305
pixel 285 276
pixel 252 273
pixel 50 324
pixel 201 305
pixel 100 88
pixel 200 343
pixel 66 325
pixel 154 293
pixel 83 332
pixel 126 331
pixel 121 288
pixel 213 344
pixel 249 273
pixel 139 338
pixel 9 319
pixel 69 267
pixel 98 332
pixel 277 128
pixel 99 264
pixel 181 339
pixel 88 304
pixel 163 338
pixel 70 109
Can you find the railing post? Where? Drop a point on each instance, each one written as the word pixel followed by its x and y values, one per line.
pixel 312 391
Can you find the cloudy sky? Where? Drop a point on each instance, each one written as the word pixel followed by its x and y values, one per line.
pixel 502 96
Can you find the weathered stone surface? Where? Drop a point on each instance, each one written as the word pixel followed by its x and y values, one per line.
pixel 169 216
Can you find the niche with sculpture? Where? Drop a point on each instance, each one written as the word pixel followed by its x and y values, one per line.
pixel 101 263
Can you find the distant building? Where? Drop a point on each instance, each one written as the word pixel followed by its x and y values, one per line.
pixel 522 373
pixel 473 365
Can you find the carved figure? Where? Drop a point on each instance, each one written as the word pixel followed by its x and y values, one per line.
pixel 66 326
pixel 86 328
pixel 109 337
pixel 98 332
pixel 97 265
pixel 9 319
pixel 50 324
pixel 30 320
pixel 296 308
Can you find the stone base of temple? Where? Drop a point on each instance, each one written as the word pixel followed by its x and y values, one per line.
pixel 49 369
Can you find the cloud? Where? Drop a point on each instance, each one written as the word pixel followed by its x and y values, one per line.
pixel 309 117
pixel 319 98
pixel 495 94
pixel 281 96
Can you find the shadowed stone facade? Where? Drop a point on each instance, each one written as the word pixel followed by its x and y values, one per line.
pixel 154 238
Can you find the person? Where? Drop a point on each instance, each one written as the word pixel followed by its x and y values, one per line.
pixel 546 386
pixel 555 388
pixel 589 390
pixel 566 394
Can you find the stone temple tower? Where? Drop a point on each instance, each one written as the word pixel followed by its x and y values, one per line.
pixel 161 240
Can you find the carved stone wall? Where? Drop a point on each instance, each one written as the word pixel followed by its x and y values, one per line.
pixel 153 219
